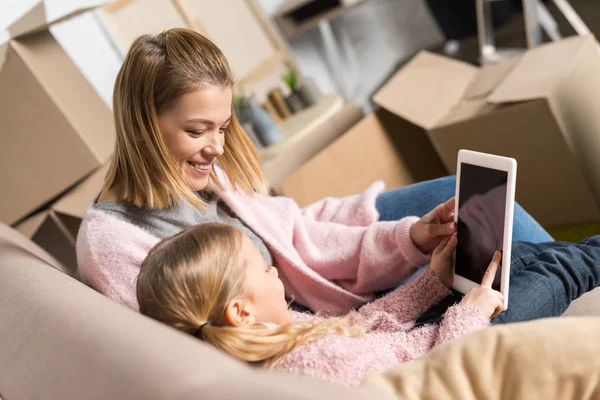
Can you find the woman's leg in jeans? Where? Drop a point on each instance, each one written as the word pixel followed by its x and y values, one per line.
pixel 422 197
pixel 545 278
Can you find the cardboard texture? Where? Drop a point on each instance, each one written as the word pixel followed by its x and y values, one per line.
pixel 56 129
pixel 379 147
pixel 541 109
pixel 55 229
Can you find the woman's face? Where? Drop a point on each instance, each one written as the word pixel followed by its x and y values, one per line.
pixel 194 131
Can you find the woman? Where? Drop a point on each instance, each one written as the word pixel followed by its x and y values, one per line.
pixel 174 123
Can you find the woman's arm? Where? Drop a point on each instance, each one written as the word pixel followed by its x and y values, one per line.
pixel 109 255
pixel 355 210
pixel 362 260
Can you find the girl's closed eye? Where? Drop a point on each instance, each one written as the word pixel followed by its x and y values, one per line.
pixel 224 129
pixel 196 133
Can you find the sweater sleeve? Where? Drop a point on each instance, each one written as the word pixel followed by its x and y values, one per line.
pixel 407 302
pixel 459 321
pixel 362 260
pixel 355 210
pixel 109 255
pixel 338 358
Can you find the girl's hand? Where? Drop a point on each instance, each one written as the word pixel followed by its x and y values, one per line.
pixel 434 227
pixel 441 260
pixel 489 301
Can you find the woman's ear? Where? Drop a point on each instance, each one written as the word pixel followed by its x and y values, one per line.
pixel 239 313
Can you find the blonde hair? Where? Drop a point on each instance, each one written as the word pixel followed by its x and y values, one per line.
pixel 156 72
pixel 189 279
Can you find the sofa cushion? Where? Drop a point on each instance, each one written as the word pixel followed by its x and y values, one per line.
pixel 550 359
pixel 11 239
pixel 62 340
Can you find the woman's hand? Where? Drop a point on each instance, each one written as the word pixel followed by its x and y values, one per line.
pixel 434 227
pixel 489 301
pixel 441 260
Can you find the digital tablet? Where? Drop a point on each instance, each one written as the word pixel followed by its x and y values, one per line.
pixel 485 199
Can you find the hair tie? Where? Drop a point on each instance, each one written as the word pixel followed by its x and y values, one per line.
pixel 198 332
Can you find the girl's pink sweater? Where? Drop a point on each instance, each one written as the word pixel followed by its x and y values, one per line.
pixel 389 340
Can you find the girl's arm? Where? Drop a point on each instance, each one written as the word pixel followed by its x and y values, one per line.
pixel 460 320
pixel 407 302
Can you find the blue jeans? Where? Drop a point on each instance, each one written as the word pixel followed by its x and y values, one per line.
pixel 545 277
pixel 422 197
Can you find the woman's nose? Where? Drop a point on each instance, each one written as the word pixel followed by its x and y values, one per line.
pixel 214 148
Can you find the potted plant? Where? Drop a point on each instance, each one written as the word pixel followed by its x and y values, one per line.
pixel 294 100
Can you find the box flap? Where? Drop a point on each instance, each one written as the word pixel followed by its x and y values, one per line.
pixel 467 110
pixel 539 71
pixel 3 49
pixel 76 201
pixel 426 88
pixel 31 225
pixel 38 18
pixel 489 77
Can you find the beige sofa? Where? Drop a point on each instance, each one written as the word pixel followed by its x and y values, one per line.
pixel 60 339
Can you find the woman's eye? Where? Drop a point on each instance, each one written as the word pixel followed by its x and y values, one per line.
pixel 196 133
pixel 224 130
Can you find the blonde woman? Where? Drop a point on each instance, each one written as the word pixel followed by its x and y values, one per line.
pixel 212 282
pixel 182 159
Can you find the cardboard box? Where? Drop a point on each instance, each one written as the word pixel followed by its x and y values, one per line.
pixel 55 229
pixel 55 128
pixel 379 147
pixel 541 109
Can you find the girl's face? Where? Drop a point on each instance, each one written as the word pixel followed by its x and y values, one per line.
pixel 265 291
pixel 194 131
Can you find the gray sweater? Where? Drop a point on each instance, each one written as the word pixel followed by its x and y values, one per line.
pixel 166 222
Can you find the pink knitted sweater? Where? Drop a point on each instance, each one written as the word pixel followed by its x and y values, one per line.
pixel 331 256
pixel 388 340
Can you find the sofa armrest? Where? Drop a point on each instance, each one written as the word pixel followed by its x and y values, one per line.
pixel 587 305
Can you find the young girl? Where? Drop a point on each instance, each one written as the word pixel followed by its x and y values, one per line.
pixel 174 126
pixel 212 282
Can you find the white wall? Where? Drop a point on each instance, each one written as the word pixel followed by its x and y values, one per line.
pixel 381 32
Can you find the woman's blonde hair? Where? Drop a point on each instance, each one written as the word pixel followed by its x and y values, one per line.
pixel 156 72
pixel 189 279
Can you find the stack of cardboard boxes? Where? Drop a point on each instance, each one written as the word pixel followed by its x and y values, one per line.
pixel 543 109
pixel 55 132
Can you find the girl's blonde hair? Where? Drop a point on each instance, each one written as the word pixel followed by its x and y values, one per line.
pixel 156 72
pixel 189 279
